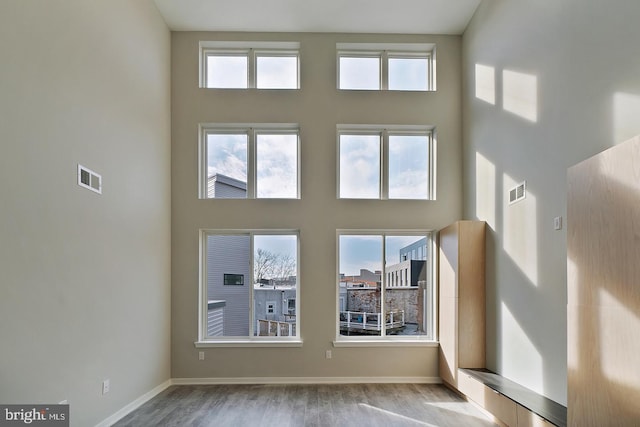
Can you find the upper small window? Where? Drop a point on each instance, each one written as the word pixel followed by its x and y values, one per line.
pixel 244 65
pixel 406 67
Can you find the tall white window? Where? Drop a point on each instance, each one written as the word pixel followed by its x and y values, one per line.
pixel 245 65
pixel 249 285
pixel 381 295
pixel 386 66
pixel 393 162
pixel 249 161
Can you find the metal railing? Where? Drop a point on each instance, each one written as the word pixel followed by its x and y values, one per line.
pixel 358 320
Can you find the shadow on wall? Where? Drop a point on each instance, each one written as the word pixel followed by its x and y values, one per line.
pixel 518 336
pixel 515 230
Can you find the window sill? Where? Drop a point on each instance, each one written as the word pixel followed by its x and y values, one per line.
pixel 385 343
pixel 249 343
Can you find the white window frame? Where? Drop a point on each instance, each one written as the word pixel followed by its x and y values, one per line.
pixel 250 50
pixel 385 131
pixel 251 130
pixel 427 340
pixel 384 51
pixel 250 340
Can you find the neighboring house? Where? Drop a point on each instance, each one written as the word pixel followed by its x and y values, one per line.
pixel 365 276
pixel 229 277
pixel 417 250
pixel 406 274
pixel 274 303
pixel 228 273
pixel 228 281
pixel 224 187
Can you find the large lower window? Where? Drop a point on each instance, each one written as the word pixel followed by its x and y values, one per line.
pixel 249 161
pixel 249 285
pixel 394 162
pixel 385 285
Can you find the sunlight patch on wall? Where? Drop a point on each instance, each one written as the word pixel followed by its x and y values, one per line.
pixel 520 94
pixel 626 110
pixel 522 361
pixel 520 233
pixel 618 340
pixel 485 190
pixel 486 83
pixel 621 171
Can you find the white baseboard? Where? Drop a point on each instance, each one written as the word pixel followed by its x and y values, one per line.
pixel 134 405
pixel 309 380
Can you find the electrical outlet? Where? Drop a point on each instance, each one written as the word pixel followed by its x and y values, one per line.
pixel 106 386
pixel 201 355
pixel 327 354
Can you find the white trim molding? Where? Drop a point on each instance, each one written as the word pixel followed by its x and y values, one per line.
pixel 127 409
pixel 308 380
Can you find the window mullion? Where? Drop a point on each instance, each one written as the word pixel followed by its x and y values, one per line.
pixel 384 70
pixel 383 322
pixel 384 164
pixel 252 64
pixel 252 320
pixel 203 170
pixel 204 291
pixel 251 163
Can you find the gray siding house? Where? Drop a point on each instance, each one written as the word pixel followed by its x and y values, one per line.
pixel 224 187
pixel 228 280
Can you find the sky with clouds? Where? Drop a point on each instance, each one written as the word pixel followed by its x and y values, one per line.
pixel 360 166
pixel 277 166
pixel 408 167
pixel 277 161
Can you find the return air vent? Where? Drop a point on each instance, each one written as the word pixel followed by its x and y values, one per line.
pixel 89 179
pixel 518 192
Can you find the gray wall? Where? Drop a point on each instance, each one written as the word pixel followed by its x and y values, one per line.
pixel 84 288
pixel 318 107
pixel 584 58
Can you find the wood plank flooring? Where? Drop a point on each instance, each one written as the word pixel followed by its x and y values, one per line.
pixel 370 405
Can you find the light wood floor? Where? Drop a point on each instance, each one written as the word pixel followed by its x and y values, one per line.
pixel 369 405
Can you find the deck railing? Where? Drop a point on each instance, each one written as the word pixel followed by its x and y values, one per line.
pixel 358 320
pixel 274 328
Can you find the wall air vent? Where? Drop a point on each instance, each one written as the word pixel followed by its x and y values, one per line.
pixel 518 193
pixel 89 179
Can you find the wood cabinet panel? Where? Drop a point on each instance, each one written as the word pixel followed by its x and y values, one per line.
pixel 462 283
pixel 448 343
pixel 603 272
pixel 500 406
pixel 526 418
pixel 471 388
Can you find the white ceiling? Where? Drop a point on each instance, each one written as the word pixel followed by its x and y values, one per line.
pixel 335 16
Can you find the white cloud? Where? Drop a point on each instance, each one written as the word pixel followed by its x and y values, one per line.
pixel 360 166
pixel 227 155
pixel 277 166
